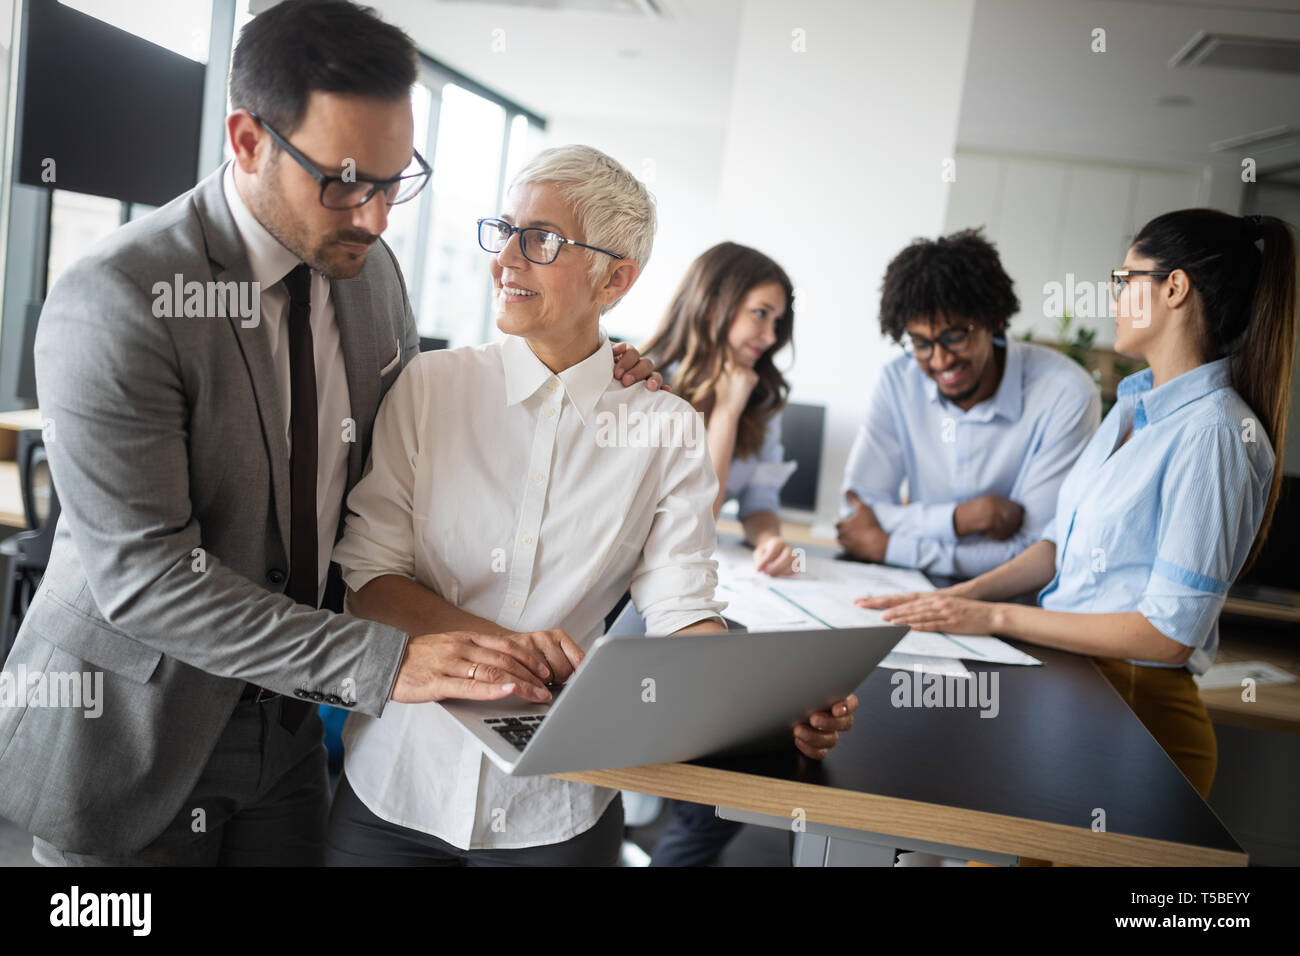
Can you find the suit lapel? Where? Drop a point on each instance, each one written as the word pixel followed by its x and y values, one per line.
pixel 361 362
pixel 230 264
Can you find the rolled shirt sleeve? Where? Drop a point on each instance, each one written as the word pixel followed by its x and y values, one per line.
pixel 378 536
pixel 675 578
pixel 1210 503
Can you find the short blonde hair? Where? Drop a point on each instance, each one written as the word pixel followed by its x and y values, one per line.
pixel 613 208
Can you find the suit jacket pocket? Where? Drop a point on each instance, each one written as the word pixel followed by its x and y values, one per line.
pixel 64 626
pixel 393 364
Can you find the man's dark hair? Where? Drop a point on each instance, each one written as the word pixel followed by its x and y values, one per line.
pixel 953 277
pixel 333 46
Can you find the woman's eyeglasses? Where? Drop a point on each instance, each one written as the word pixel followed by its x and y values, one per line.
pixel 538 245
pixel 955 340
pixel 1119 279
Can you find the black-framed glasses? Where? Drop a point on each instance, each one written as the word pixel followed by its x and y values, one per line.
pixel 955 340
pixel 1119 278
pixel 339 193
pixel 538 245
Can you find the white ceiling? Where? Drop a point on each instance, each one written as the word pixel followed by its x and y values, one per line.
pixel 673 70
pixel 1033 84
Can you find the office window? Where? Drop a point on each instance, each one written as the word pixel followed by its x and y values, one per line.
pixel 478 141
pixel 405 234
pixel 77 221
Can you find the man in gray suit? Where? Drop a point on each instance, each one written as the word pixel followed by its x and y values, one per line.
pixel 209 375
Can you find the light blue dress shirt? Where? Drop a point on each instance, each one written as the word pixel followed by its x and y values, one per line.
pixel 1163 524
pixel 745 483
pixel 1019 443
pixel 754 493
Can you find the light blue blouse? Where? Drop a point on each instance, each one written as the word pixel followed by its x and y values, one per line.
pixel 1163 524
pixel 750 485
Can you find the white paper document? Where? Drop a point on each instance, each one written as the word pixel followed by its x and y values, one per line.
pixel 1220 676
pixel 821 595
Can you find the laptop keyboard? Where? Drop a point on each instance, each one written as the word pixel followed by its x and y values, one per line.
pixel 516 730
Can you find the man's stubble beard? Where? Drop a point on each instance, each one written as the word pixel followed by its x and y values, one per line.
pixel 274 214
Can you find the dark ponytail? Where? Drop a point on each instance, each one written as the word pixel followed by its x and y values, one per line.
pixel 1248 307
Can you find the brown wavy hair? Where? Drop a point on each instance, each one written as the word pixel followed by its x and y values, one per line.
pixel 693 334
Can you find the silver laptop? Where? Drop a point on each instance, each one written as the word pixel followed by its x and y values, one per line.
pixel 638 700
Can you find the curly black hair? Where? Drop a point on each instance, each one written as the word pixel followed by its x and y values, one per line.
pixel 957 276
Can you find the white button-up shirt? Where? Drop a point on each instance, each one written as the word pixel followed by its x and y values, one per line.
pixel 270 262
pixel 533 500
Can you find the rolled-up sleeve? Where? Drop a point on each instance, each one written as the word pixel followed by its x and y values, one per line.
pixel 676 576
pixel 378 536
pixel 1210 502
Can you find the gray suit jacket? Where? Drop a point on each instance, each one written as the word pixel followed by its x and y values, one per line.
pixel 168 436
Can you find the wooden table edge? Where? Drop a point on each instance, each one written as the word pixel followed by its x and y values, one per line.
pixel 935 823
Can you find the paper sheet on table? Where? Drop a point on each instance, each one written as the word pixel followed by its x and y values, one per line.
pixel 822 594
pixel 1221 676
pixel 944 666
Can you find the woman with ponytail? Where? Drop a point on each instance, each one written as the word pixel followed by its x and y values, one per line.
pixel 1171 499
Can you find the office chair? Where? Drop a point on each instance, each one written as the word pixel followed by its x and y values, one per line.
pixel 29 551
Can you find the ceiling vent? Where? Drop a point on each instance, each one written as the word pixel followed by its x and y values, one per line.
pixel 1259 54
pixel 1271 138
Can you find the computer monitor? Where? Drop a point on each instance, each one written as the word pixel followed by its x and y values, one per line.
pixel 801 434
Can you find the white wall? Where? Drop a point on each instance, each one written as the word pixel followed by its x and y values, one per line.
pixel 681 166
pixel 1053 217
pixel 832 164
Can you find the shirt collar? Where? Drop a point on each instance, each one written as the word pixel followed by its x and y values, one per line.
pixel 268 260
pixel 1153 404
pixel 1009 399
pixel 584 383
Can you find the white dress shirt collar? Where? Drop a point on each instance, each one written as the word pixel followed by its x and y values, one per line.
pixel 268 259
pixel 584 383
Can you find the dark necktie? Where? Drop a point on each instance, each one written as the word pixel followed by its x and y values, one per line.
pixel 304 552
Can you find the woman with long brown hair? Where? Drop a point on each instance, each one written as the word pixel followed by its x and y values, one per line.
pixel 731 314
pixel 1171 498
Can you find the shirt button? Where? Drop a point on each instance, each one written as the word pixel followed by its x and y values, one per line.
pixel 550 413
pixel 514 602
pixel 537 478
pixel 528 539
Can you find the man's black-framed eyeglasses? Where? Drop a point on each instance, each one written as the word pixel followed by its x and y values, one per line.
pixel 954 340
pixel 538 245
pixel 339 193
pixel 1119 278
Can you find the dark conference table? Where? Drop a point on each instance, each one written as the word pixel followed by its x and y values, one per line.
pixel 1065 772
